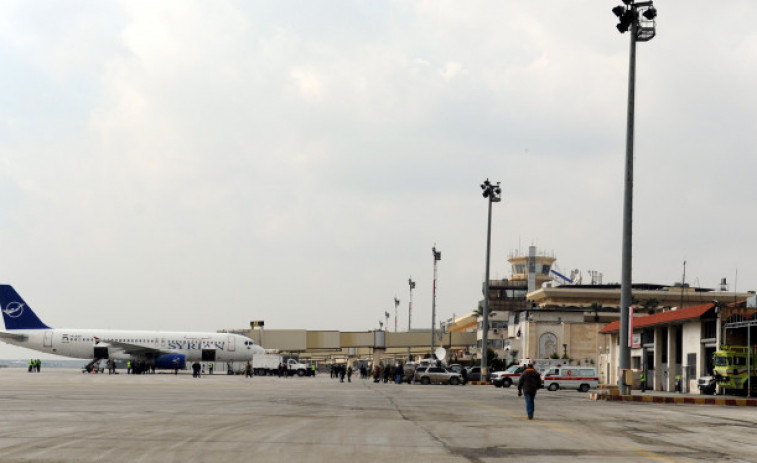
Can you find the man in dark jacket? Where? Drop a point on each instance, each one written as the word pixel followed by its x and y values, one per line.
pixel 528 384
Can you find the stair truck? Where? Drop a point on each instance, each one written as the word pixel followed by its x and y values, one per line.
pixel 735 369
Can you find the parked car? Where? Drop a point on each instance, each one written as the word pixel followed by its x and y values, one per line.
pixel 508 377
pixel 437 375
pixel 474 374
pixel 707 385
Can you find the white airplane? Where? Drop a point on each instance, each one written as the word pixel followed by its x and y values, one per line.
pixel 161 349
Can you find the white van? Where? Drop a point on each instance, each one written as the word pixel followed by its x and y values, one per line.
pixel 567 377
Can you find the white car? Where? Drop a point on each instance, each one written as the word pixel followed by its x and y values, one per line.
pixel 508 377
pixel 437 375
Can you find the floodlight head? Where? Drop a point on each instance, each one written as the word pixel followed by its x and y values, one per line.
pixel 627 2
pixel 486 193
pixel 650 13
pixel 626 20
pixel 619 11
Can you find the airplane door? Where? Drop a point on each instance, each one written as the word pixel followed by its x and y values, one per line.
pixel 47 341
pixel 230 341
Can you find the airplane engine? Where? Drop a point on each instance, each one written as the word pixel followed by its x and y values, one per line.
pixel 170 361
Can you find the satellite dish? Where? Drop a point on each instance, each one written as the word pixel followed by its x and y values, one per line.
pixel 440 353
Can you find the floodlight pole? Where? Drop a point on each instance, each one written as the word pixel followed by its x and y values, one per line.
pixel 485 327
pixel 411 284
pixel 624 353
pixel 437 257
pixel 491 192
pixel 629 16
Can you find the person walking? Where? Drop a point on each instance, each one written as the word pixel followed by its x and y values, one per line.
pixel 643 381
pixel 528 384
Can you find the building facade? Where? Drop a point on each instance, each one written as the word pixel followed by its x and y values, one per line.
pixel 676 347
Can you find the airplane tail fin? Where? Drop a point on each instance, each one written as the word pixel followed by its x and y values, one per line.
pixel 17 315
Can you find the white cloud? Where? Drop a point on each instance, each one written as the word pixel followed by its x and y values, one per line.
pixel 308 84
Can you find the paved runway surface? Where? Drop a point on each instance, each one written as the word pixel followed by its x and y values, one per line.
pixel 66 416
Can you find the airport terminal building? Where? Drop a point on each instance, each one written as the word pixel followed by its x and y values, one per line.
pixel 539 313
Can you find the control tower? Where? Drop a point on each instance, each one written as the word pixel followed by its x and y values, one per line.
pixel 532 268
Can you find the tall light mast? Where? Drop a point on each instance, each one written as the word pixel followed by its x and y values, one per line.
pixel 411 283
pixel 636 17
pixel 437 257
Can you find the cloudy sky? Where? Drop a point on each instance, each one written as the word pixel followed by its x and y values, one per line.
pixel 194 165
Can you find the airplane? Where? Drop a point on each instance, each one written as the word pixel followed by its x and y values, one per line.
pixel 159 349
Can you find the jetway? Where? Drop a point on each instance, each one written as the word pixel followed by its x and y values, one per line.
pixel 361 344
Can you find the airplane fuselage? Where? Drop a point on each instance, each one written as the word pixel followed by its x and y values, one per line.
pixel 127 345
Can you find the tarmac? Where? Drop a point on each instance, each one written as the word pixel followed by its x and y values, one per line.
pixel 64 416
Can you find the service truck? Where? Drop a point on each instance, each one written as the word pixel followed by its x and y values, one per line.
pixel 733 367
pixel 268 364
pixel 294 367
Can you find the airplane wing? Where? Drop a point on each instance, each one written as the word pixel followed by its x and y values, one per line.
pixel 13 336
pixel 134 349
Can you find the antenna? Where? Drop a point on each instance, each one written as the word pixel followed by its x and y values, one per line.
pixel 735 284
pixel 683 283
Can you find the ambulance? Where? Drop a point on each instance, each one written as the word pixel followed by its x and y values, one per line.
pixel 512 375
pixel 571 377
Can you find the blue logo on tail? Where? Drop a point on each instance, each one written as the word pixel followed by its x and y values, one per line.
pixel 14 309
pixel 17 314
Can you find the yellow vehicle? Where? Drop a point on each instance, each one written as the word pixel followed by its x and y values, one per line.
pixel 733 366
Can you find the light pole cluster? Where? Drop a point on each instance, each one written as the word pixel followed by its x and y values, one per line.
pixel 493 194
pixel 638 18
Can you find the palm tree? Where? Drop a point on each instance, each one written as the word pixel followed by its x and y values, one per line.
pixel 596 307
